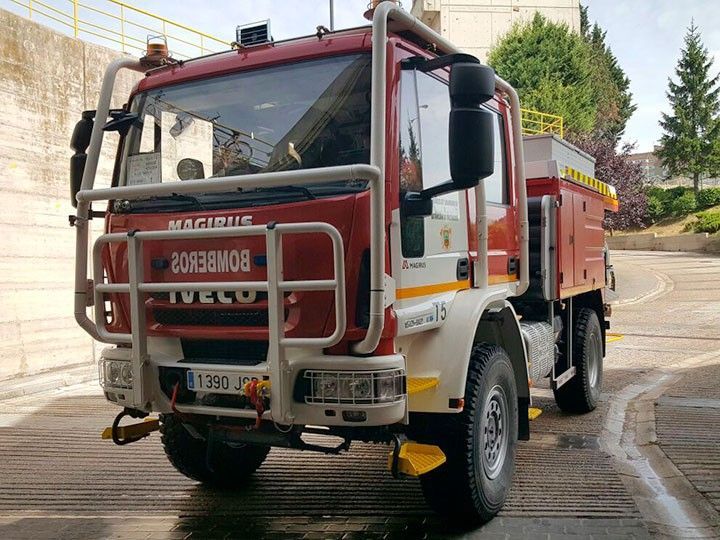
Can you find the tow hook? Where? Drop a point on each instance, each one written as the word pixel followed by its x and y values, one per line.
pixel 122 435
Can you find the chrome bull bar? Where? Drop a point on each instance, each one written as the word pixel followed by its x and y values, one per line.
pixel 275 285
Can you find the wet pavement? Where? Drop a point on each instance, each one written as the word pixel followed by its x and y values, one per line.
pixel 59 480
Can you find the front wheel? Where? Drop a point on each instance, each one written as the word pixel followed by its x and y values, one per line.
pixel 225 466
pixel 471 487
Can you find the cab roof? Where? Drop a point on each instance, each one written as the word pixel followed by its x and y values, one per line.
pixel 297 49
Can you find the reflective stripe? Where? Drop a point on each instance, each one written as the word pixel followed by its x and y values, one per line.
pixel 425 290
pixel 594 183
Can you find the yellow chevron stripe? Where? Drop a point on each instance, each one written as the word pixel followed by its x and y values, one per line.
pixel 589 181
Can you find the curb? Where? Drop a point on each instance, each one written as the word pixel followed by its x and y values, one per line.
pixel 669 503
pixel 664 285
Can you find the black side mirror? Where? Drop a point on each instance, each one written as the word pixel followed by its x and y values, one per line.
pixel 415 205
pixel 471 144
pixel 79 142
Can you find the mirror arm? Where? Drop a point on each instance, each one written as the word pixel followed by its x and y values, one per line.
pixel 423 64
pixel 434 191
pixel 121 121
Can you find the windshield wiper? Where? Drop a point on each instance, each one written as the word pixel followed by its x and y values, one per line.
pixel 288 189
pixel 194 202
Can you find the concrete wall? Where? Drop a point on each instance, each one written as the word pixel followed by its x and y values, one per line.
pixel 476 25
pixel 46 80
pixel 653 242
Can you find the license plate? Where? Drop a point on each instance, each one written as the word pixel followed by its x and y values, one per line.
pixel 217 382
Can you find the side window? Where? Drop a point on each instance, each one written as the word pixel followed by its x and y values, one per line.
pixel 425 108
pixel 496 185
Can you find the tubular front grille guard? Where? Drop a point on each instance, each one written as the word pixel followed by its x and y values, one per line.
pixel 213 185
pixel 275 286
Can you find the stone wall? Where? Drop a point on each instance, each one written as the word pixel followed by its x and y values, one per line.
pixel 46 80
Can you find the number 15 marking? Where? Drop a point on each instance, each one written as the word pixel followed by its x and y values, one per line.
pixel 440 311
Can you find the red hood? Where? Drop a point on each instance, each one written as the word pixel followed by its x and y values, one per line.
pixel 223 316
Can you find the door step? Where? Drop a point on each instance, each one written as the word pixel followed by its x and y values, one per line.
pixel 420 384
pixel 415 459
pixel 534 412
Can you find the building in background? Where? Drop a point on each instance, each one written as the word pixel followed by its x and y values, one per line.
pixel 656 174
pixel 476 25
pixel 653 170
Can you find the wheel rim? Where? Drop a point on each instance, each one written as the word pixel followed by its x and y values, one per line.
pixel 494 432
pixel 593 360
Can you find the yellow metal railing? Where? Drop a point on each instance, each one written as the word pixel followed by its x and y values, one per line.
pixel 536 122
pixel 121 25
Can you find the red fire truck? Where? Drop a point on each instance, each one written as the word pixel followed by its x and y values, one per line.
pixel 339 235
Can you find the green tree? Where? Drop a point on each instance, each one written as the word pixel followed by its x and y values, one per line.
pixel 551 68
pixel 690 143
pixel 610 84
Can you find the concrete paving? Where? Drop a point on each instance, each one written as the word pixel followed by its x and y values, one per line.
pixel 577 478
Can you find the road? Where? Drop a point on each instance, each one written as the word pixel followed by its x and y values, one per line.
pixel 642 465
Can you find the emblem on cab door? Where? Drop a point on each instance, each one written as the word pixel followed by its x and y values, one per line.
pixel 445 236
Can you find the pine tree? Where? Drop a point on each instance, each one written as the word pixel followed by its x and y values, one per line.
pixel 550 67
pixel 690 144
pixel 611 85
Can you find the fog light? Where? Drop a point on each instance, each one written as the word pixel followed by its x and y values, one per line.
pixel 126 374
pixel 354 416
pixel 115 373
pixel 114 370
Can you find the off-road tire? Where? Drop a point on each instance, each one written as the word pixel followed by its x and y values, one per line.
pixel 581 393
pixel 461 490
pixel 230 466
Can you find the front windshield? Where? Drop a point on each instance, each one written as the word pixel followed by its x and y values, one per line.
pixel 296 116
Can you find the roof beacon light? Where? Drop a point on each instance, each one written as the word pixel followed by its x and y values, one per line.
pixel 157 51
pixel 372 5
pixel 257 33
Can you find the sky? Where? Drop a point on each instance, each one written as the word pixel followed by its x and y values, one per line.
pixel 645 35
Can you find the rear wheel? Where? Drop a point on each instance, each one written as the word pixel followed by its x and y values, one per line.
pixel 581 393
pixel 471 487
pixel 226 466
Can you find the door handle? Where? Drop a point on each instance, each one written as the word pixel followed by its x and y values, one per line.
pixel 463 269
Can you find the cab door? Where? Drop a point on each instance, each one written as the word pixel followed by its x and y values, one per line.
pixel 430 254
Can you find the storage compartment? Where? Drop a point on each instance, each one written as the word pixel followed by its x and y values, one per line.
pixel 567 238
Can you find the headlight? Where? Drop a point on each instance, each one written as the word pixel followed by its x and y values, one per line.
pixel 387 386
pixel 115 373
pixel 355 387
pixel 126 374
